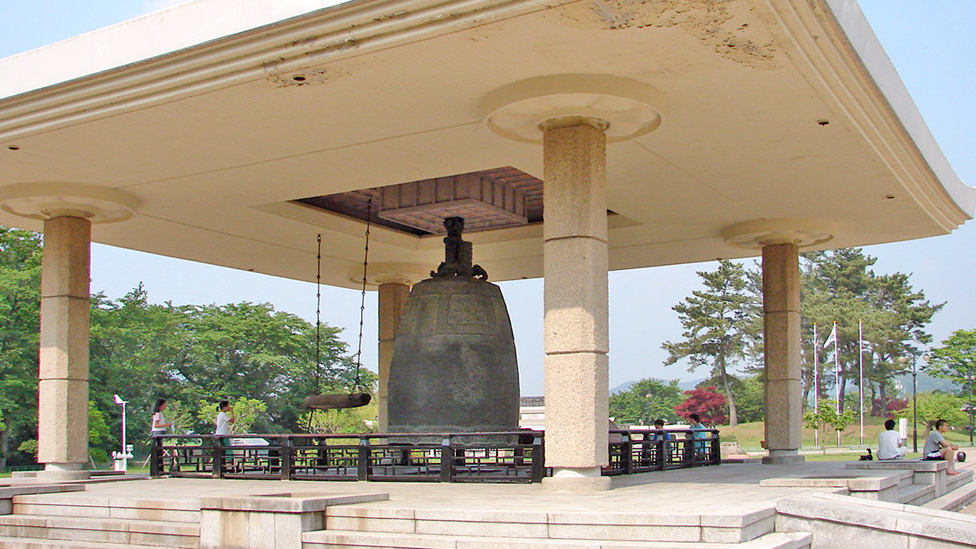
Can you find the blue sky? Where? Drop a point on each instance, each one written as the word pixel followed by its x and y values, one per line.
pixel 930 43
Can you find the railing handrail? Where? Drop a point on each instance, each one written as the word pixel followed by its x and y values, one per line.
pixel 360 435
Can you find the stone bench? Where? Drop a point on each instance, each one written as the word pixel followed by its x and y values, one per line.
pixel 926 472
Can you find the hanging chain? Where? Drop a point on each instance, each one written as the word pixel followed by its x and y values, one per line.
pixel 362 302
pixel 318 315
pixel 318 325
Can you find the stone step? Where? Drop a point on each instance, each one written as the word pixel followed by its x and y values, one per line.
pixel 581 525
pixel 955 499
pixel 915 494
pixel 28 543
pixel 101 530
pixel 356 540
pixel 956 481
pixel 81 505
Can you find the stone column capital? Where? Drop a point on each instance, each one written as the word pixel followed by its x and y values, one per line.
pixel 803 232
pixel 45 200
pixel 621 107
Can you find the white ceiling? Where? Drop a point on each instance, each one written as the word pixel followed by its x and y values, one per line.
pixel 216 139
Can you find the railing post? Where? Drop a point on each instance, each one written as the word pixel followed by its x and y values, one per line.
pixel 155 464
pixel 688 455
pixel 447 459
pixel 627 455
pixel 217 447
pixel 661 456
pixel 538 458
pixel 362 471
pixel 716 457
pixel 285 455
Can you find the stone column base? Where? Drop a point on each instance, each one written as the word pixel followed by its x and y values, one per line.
pixel 63 471
pixel 576 480
pixel 783 457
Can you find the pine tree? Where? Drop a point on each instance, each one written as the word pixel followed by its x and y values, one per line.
pixel 840 286
pixel 719 324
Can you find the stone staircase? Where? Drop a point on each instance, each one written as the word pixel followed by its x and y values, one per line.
pixel 43 521
pixel 909 482
pixel 359 526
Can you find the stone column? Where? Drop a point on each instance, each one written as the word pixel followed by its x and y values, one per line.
pixel 392 299
pixel 574 117
pixel 62 427
pixel 68 211
pixel 576 305
pixel 781 322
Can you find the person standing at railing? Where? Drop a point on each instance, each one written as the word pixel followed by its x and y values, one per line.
pixel 698 432
pixel 662 435
pixel 225 417
pixel 159 424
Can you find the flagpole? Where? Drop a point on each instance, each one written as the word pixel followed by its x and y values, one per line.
pixel 816 383
pixel 837 373
pixel 860 375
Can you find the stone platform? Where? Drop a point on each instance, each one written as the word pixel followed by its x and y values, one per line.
pixel 744 506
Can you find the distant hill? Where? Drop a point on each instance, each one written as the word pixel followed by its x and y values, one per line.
pixel 683 385
pixel 927 383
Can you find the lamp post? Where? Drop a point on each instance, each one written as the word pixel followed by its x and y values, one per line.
pixel 648 397
pixel 904 360
pixel 122 457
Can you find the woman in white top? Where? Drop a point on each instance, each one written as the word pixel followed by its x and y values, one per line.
pixel 159 425
pixel 225 416
pixel 224 419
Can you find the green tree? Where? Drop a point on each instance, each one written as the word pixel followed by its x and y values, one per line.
pixel 347 420
pixel 840 286
pixel 750 396
pixel 197 354
pixel 98 434
pixel 718 323
pixel 645 401
pixel 827 416
pixel 934 406
pixel 955 359
pixel 246 412
pixel 20 297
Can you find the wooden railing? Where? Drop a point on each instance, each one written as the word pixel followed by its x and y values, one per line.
pixel 642 451
pixel 514 457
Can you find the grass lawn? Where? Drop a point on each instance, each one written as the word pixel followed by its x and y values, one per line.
pixel 748 435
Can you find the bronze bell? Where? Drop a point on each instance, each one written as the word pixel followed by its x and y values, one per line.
pixel 454 367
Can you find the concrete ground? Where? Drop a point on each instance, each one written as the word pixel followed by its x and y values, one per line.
pixel 731 489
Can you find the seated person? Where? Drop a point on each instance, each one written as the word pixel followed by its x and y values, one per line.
pixel 659 425
pixel 890 443
pixel 936 447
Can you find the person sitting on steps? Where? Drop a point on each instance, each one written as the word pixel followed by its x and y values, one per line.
pixel 890 443
pixel 936 447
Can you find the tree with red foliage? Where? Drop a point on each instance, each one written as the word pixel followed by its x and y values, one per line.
pixel 706 402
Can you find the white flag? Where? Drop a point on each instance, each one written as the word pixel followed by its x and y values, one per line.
pixel 832 338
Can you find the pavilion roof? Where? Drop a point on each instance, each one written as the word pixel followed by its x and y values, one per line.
pixel 772 110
